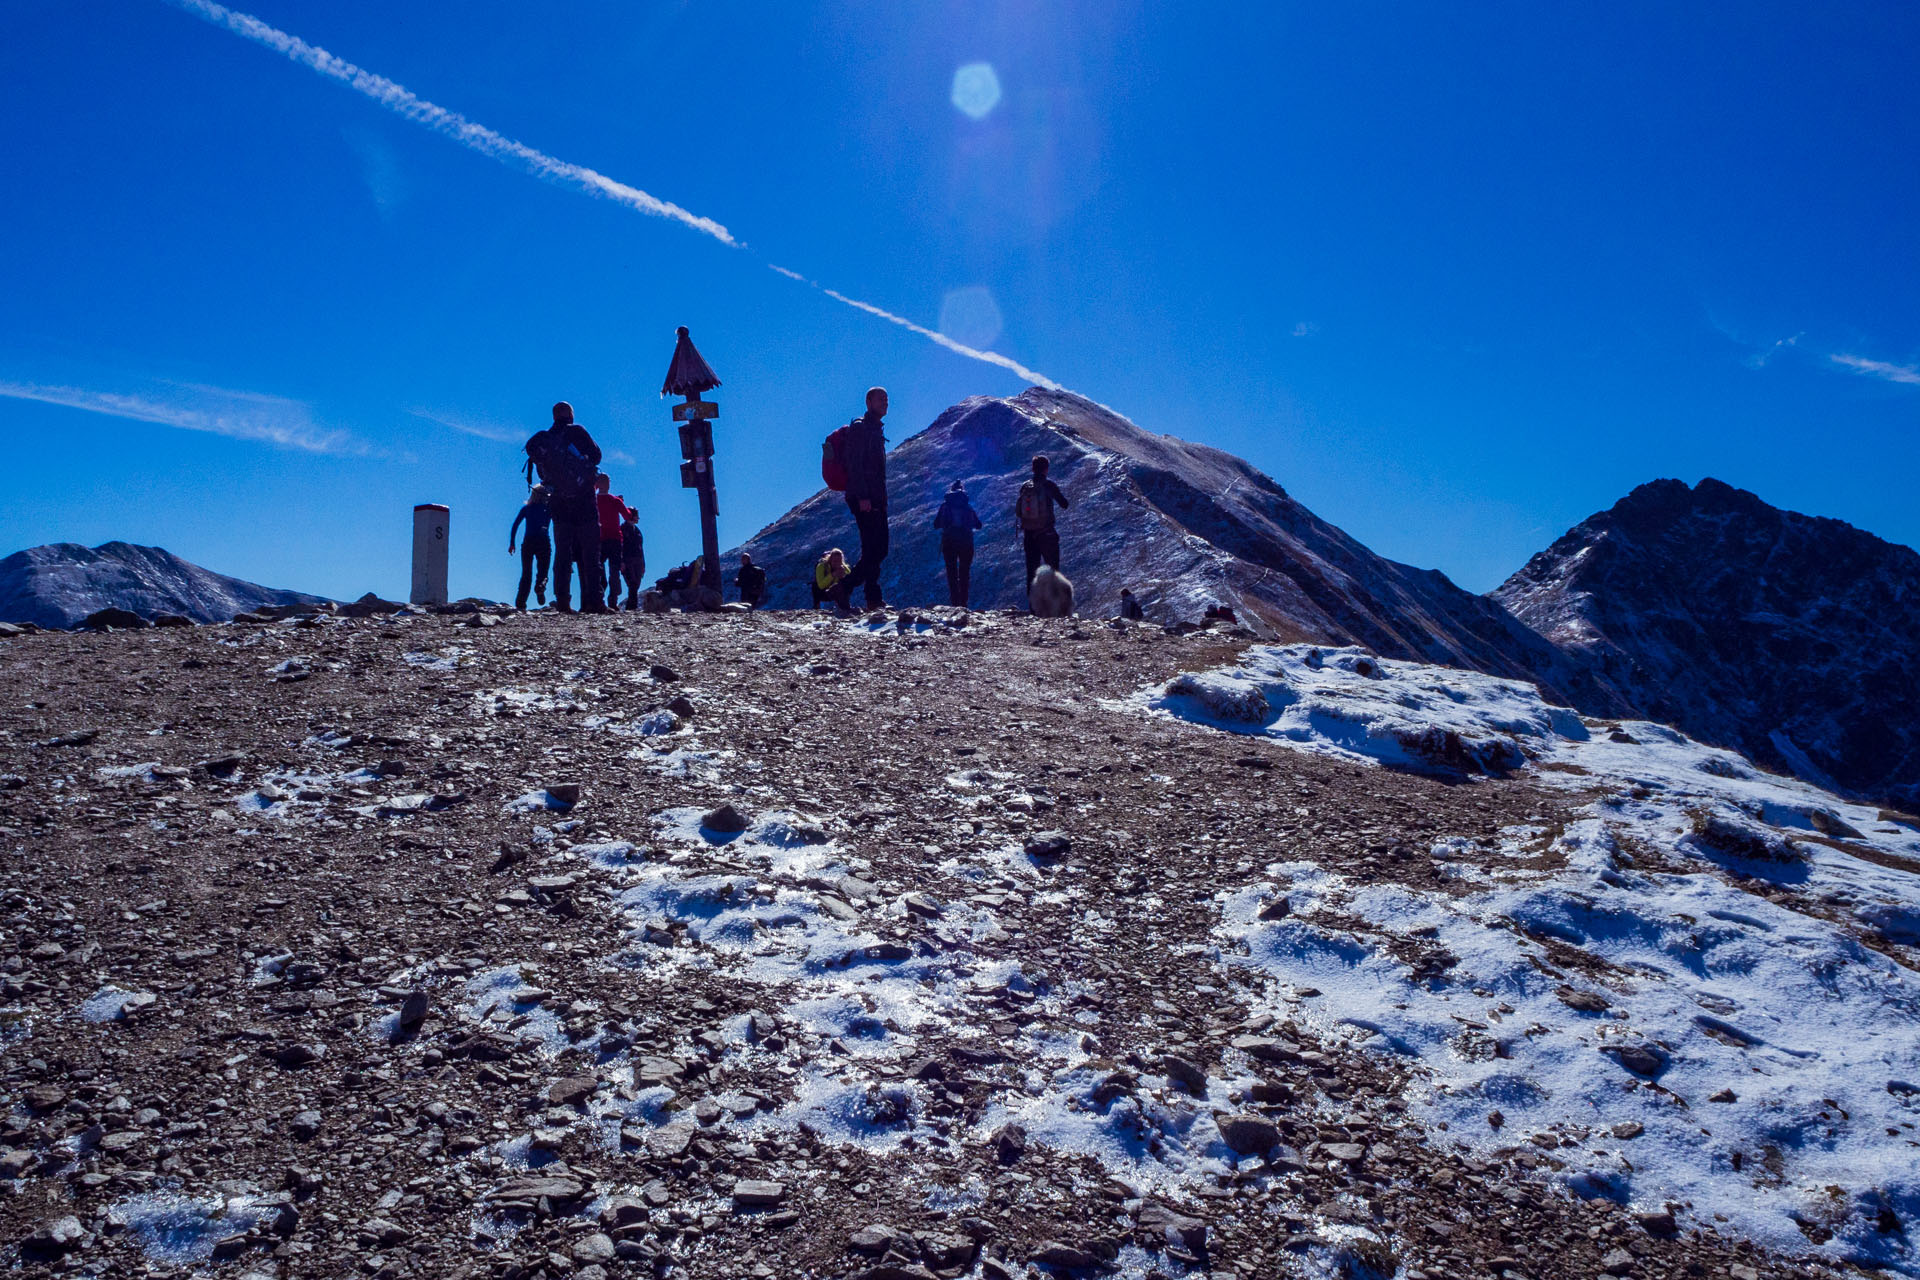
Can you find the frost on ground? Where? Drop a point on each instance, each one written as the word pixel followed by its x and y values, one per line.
pixel 1699 995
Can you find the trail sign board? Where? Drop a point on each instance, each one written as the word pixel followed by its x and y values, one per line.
pixel 695 409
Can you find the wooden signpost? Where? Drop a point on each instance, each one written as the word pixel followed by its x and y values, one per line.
pixel 688 376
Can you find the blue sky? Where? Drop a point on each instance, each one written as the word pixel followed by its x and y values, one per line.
pixel 1455 276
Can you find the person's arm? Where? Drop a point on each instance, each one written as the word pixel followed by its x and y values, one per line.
pixel 1058 496
pixel 588 446
pixel 973 519
pixel 514 531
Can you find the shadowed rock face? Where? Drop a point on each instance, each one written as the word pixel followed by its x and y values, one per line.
pixel 1183 525
pixel 59 584
pixel 1791 638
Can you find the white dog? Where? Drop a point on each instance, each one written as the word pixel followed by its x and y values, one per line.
pixel 1051 595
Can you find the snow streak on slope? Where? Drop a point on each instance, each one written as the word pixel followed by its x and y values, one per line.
pixel 1700 994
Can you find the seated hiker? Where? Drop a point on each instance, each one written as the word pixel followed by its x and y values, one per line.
pixel 1130 606
pixel 956 520
pixel 633 556
pixel 752 581
pixel 677 579
pixel 830 580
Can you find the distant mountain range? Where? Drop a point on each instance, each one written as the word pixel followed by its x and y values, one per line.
pixel 60 584
pixel 1793 639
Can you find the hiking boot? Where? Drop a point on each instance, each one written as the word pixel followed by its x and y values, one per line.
pixel 561 606
pixel 596 607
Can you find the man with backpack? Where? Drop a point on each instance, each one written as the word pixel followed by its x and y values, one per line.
pixel 567 459
pixel 956 520
pixel 1033 512
pixel 854 462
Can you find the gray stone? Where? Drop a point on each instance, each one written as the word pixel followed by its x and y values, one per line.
pixel 726 820
pixel 753 1193
pixel 1188 1075
pixel 1173 1226
pixel 1249 1135
pixel 597 1247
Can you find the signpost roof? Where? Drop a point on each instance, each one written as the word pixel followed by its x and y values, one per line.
pixel 689 374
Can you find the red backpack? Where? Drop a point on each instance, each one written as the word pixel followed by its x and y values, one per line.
pixel 833 459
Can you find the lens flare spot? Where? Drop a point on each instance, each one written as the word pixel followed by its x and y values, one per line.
pixel 976 90
pixel 971 316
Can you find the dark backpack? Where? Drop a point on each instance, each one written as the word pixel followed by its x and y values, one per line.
pixel 563 469
pixel 833 458
pixel 1034 507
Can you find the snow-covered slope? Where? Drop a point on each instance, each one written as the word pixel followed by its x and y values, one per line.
pixel 59 584
pixel 1699 995
pixel 1183 525
pixel 1793 638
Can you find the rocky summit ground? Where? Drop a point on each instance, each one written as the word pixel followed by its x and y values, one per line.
pixel 717 946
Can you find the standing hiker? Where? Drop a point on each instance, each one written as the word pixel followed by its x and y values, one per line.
pixel 864 452
pixel 633 556
pixel 752 581
pixel 566 458
pixel 956 520
pixel 612 510
pixel 537 547
pixel 1033 512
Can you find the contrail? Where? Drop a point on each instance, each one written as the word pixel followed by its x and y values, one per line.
pixel 396 98
pixel 451 124
pixel 238 415
pixel 934 335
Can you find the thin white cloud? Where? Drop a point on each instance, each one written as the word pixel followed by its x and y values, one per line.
pixel 1759 359
pixel 238 415
pixel 1905 374
pixel 484 430
pixel 451 124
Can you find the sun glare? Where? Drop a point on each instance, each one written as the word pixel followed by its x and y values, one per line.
pixel 976 90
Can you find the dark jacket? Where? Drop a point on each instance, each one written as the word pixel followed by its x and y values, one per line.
pixel 633 551
pixel 571 487
pixel 537 517
pixel 866 462
pixel 752 581
pixel 956 520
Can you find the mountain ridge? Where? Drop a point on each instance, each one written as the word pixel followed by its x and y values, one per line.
pixel 59 584
pixel 1185 525
pixel 1793 638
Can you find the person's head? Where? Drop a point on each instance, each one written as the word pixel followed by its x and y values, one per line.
pixel 631 518
pixel 958 488
pixel 746 561
pixel 602 482
pixel 539 494
pixel 1126 593
pixel 562 412
pixel 1039 465
pixel 836 557
pixel 877 401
